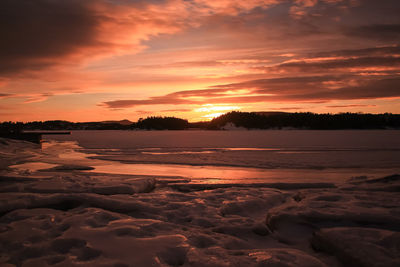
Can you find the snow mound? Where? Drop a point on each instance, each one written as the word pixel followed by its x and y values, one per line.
pixel 247 204
pixel 273 257
pixel 285 258
pixel 364 247
pixel 389 184
pixel 320 208
pixel 89 237
pixel 78 184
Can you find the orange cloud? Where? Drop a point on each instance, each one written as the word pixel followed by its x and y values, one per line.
pixel 73 30
pixel 305 89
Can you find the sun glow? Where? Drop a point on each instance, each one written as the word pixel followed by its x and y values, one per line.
pixel 211 111
pixel 211 107
pixel 212 115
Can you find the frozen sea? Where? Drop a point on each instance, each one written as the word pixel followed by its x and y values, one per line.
pixel 202 198
pixel 236 156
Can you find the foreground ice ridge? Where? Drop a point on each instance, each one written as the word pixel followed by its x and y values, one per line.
pixel 78 219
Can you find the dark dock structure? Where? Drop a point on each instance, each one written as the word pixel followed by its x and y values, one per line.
pixel 34 137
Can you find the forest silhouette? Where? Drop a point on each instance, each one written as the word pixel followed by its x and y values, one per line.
pixel 248 120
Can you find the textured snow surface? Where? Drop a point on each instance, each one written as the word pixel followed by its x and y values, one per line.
pixel 69 217
pixel 360 246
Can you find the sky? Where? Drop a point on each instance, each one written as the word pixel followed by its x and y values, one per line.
pixel 98 60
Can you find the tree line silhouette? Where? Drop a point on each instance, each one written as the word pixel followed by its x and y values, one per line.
pixel 308 120
pixel 248 120
pixel 150 123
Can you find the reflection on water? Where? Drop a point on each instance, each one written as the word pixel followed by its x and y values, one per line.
pixel 298 152
pixel 67 150
pixel 178 152
pixel 222 174
pixel 32 166
pixel 213 150
pixel 249 149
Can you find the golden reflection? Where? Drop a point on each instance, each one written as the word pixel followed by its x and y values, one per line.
pixel 225 174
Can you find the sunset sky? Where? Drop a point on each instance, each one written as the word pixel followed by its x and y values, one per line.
pixel 98 60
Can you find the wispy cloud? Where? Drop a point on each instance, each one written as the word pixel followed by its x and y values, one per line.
pixel 350 106
pixel 75 30
pixel 38 98
pixel 304 89
pixel 367 73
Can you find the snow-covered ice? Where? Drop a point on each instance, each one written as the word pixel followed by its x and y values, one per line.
pixel 68 216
